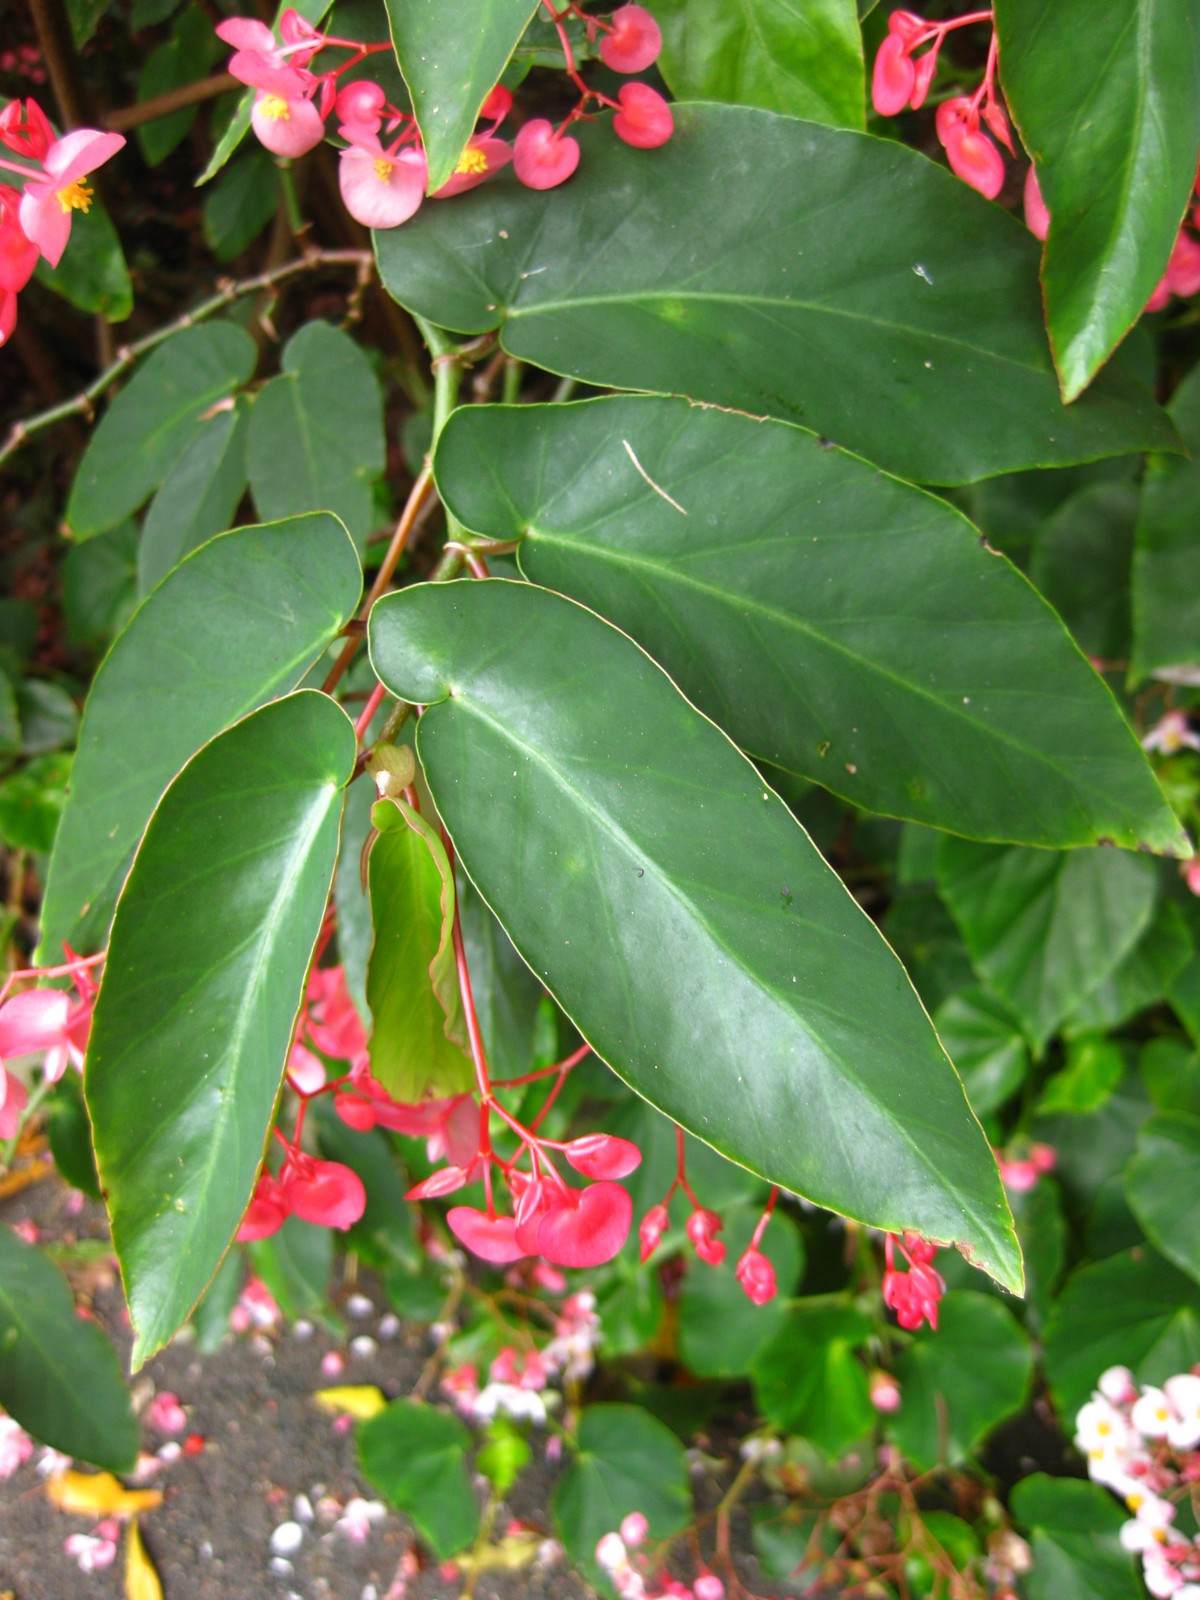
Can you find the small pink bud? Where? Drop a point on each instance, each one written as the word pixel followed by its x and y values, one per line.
pixel 1043 1156
pixel 542 159
pixel 355 1112
pixel 644 120
pixel 362 101
pixel 894 76
pixel 1191 874
pixel 1037 218
pixel 497 105
pixel 634 41
pixel 702 1229
pixel 708 1587
pixel 653 1225
pixel 756 1276
pixel 634 1529
pixel 885 1393
pixel 445 1181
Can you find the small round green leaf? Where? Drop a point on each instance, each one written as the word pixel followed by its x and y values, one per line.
pixel 416 1457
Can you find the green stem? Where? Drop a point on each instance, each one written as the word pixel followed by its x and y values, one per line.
pixel 447 380
pixel 291 200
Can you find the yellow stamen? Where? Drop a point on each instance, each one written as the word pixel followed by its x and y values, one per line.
pixel 1103 1427
pixel 1135 1501
pixel 274 108
pixel 75 197
pixel 472 160
pixel 383 169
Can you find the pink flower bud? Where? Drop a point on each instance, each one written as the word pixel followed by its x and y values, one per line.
pixel 1037 218
pixel 497 105
pixel 708 1587
pixel 644 120
pixel 634 1530
pixel 634 41
pixel 702 1229
pixel 354 1111
pixel 445 1181
pixel 972 155
pixel 603 1155
pixel 894 76
pixel 756 1276
pixel 542 159
pixel 885 1393
pixel 362 101
pixel 653 1225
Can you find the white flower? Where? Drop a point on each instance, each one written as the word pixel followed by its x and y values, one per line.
pixel 15 1446
pixel 1117 1386
pixel 610 1551
pixel 507 1399
pixel 1151 1414
pixel 1183 1429
pixel 1171 733
pixel 1152 1519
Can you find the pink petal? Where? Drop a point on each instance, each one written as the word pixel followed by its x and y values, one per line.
pixel 325 1192
pixel 1037 218
pixel 296 130
pixel 306 1071
pixel 603 1155
pixel 14 1097
pixel 245 33
pixel 893 77
pixel 481 159
pixel 591 1231
pixel 644 120
pixel 543 159
pixel 634 43
pixel 78 153
pixel 8 314
pixel 34 1020
pixel 490 1238
pixel 382 192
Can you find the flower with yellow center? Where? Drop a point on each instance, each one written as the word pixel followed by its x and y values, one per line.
pixel 75 197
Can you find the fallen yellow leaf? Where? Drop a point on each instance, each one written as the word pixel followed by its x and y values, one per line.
pixel 362 1400
pixel 141 1580
pixel 510 1554
pixel 98 1494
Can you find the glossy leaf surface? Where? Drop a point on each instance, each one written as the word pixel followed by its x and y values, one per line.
pixel 1162 1187
pixel 1075 1531
pixel 741 990
pixel 896 312
pixel 316 432
pixel 1107 102
pixel 961 1380
pixel 1132 1310
pixel 833 621
pixel 1045 927
pixel 507 995
pixel 59 1375
pixel 1166 556
pixel 240 620
pixel 205 972
pixel 627 1461
pixel 452 53
pixel 801 57
pixel 419 1039
pixel 416 1456
pixel 154 419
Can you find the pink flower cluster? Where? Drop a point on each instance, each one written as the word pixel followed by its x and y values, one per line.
pixel 1020 1173
pixel 383 172
pixel 753 1272
pixel 902 78
pixel 520 1384
pixel 912 1295
pixel 1143 1443
pixel 35 219
pixel 46 1022
pixel 629 1570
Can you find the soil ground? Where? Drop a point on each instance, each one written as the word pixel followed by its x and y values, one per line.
pixel 265 1445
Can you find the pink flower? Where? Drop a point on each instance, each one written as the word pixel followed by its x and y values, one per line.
pixel 756 1276
pixel 972 155
pixel 912 1295
pixel 479 160
pixel 603 1155
pixel 91 1552
pixel 1037 218
pixel 585 1227
pixel 1183 269
pixel 267 1211
pixel 165 1414
pixel 635 1530
pixel 45 1020
pixel 48 201
pixel 702 1229
pixel 324 1192
pixel 16 1447
pixel 893 78
pixel 306 1072
pixel 18 254
pixel 381 188
pixel 334 1024
pixel 542 158
pixel 633 42
pixel 287 124
pixel 1191 874
pixel 26 133
pixel 644 120
pixel 885 1393
pixel 14 1097
pixel 1020 1176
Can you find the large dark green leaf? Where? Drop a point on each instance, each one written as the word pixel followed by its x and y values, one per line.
pixel 835 622
pixel 198 497
pixel 961 1380
pixel 316 431
pixel 1081 560
pixel 59 1376
pixel 1045 927
pixel 1133 1310
pixel 680 915
pixel 153 421
pixel 240 620
pixel 1107 102
pixel 205 973
pixel 883 304
pixel 1166 556
pixel 1075 1529
pixel 627 1461
pixel 1162 1183
pixel 419 1037
pixel 452 53
pixel 416 1456
pixel 801 57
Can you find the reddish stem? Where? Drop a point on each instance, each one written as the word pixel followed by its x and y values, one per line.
pixel 756 1236
pixel 374 700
